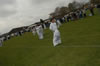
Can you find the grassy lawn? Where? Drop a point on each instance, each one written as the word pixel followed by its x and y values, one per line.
pixel 80 46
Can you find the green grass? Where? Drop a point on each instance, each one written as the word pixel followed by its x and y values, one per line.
pixel 80 46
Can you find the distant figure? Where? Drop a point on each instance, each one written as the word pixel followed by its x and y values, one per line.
pixel 74 15
pixel 47 23
pixel 63 19
pixel 98 6
pixel 56 33
pixel 34 31
pixel 44 26
pixel 0 42
pixel 78 14
pixel 8 37
pixel 20 33
pixel 39 30
pixel 12 35
pixel 81 14
pixel 71 17
pixel 2 39
pixel 16 34
pixel 68 17
pixel 43 23
pixel 84 12
pixel 58 23
pixel 92 9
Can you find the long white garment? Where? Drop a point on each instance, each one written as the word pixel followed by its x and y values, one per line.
pixel 58 23
pixel 2 39
pixel 56 34
pixel 0 43
pixel 39 31
pixel 56 39
pixel 53 27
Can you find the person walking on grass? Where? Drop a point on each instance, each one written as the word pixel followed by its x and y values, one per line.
pixel 58 23
pixel 56 33
pixel 39 30
pixel 92 9
pixel 33 30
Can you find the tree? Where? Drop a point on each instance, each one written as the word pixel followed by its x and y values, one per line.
pixel 75 5
pixel 95 1
pixel 60 12
pixel 63 11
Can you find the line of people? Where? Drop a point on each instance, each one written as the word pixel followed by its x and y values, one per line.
pixel 54 23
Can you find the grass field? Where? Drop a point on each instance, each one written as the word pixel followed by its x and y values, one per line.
pixel 80 46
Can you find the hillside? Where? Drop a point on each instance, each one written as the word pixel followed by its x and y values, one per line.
pixel 80 47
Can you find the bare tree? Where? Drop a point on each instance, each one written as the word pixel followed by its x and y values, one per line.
pixel 95 1
pixel 75 5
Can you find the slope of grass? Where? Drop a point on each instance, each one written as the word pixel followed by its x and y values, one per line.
pixel 80 46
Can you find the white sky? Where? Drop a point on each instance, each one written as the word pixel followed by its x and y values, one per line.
pixel 16 13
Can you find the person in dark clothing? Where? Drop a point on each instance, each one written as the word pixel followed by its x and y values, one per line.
pixel 42 22
pixel 8 37
pixel 74 16
pixel 84 12
pixel 61 20
pixel 68 16
pixel 81 14
pixel 47 23
pixel 98 6
pixel 5 38
pixel 92 9
pixel 20 33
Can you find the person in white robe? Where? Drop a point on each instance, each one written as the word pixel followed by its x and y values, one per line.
pixel 34 31
pixel 58 23
pixel 2 39
pixel 56 33
pixel 12 35
pixel 22 31
pixel 8 36
pixel 39 31
pixel 0 42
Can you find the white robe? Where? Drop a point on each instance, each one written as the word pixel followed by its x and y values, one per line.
pixel 56 34
pixel 39 31
pixel 58 23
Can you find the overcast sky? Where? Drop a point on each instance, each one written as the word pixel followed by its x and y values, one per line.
pixel 16 13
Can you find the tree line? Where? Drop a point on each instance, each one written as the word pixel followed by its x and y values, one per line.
pixel 61 11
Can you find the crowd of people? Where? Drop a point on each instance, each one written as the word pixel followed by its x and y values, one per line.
pixel 53 24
